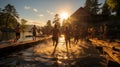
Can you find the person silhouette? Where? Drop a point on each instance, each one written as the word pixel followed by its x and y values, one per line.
pixel 55 37
pixel 67 36
pixel 34 29
pixel 17 31
pixel 76 34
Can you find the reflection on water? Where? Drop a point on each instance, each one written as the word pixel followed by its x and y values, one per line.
pixel 23 36
pixel 40 55
pixel 46 49
pixel 26 36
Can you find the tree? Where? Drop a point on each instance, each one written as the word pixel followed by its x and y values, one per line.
pixel 23 27
pixel 8 20
pixel 10 12
pixel 23 24
pixel 88 5
pixel 0 10
pixel 92 6
pixel 48 27
pixel 8 17
pixel 105 9
pixel 1 22
pixel 49 23
pixel 56 20
pixel 10 9
pixel 95 7
pixel 114 5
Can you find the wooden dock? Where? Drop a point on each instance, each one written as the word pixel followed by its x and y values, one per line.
pixel 8 48
pixel 112 49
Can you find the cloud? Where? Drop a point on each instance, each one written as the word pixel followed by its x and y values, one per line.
pixel 26 7
pixel 35 10
pixel 50 12
pixel 40 15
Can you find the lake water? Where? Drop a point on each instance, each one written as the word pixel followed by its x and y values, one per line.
pixel 82 54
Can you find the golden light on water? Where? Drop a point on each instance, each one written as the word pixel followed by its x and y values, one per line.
pixel 61 48
pixel 65 57
pixel 61 44
pixel 44 50
pixel 62 38
pixel 59 62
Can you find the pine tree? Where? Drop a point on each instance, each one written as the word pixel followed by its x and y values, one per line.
pixel 10 12
pixel 95 7
pixel 8 20
pixel 105 9
pixel 92 6
pixel 23 25
pixel 48 27
pixel 88 5
pixel 56 20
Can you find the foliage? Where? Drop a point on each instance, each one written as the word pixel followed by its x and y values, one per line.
pixel 8 17
pixel 105 9
pixel 114 5
pixel 92 6
pixel 57 20
pixel 47 28
pixel 10 9
pixel 88 5
pixel 95 7
pixel 23 24
pixel 49 23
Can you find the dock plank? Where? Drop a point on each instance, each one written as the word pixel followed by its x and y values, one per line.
pixel 111 48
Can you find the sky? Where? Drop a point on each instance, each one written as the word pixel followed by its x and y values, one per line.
pixel 38 12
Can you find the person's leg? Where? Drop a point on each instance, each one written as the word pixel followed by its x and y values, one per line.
pixel 53 42
pixel 77 40
pixel 69 43
pixel 66 41
pixel 17 37
pixel 53 39
pixel 74 39
pixel 35 37
pixel 56 41
pixel 55 47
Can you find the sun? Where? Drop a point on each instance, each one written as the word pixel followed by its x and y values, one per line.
pixel 64 15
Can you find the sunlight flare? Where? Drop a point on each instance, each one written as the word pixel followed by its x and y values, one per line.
pixel 64 15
